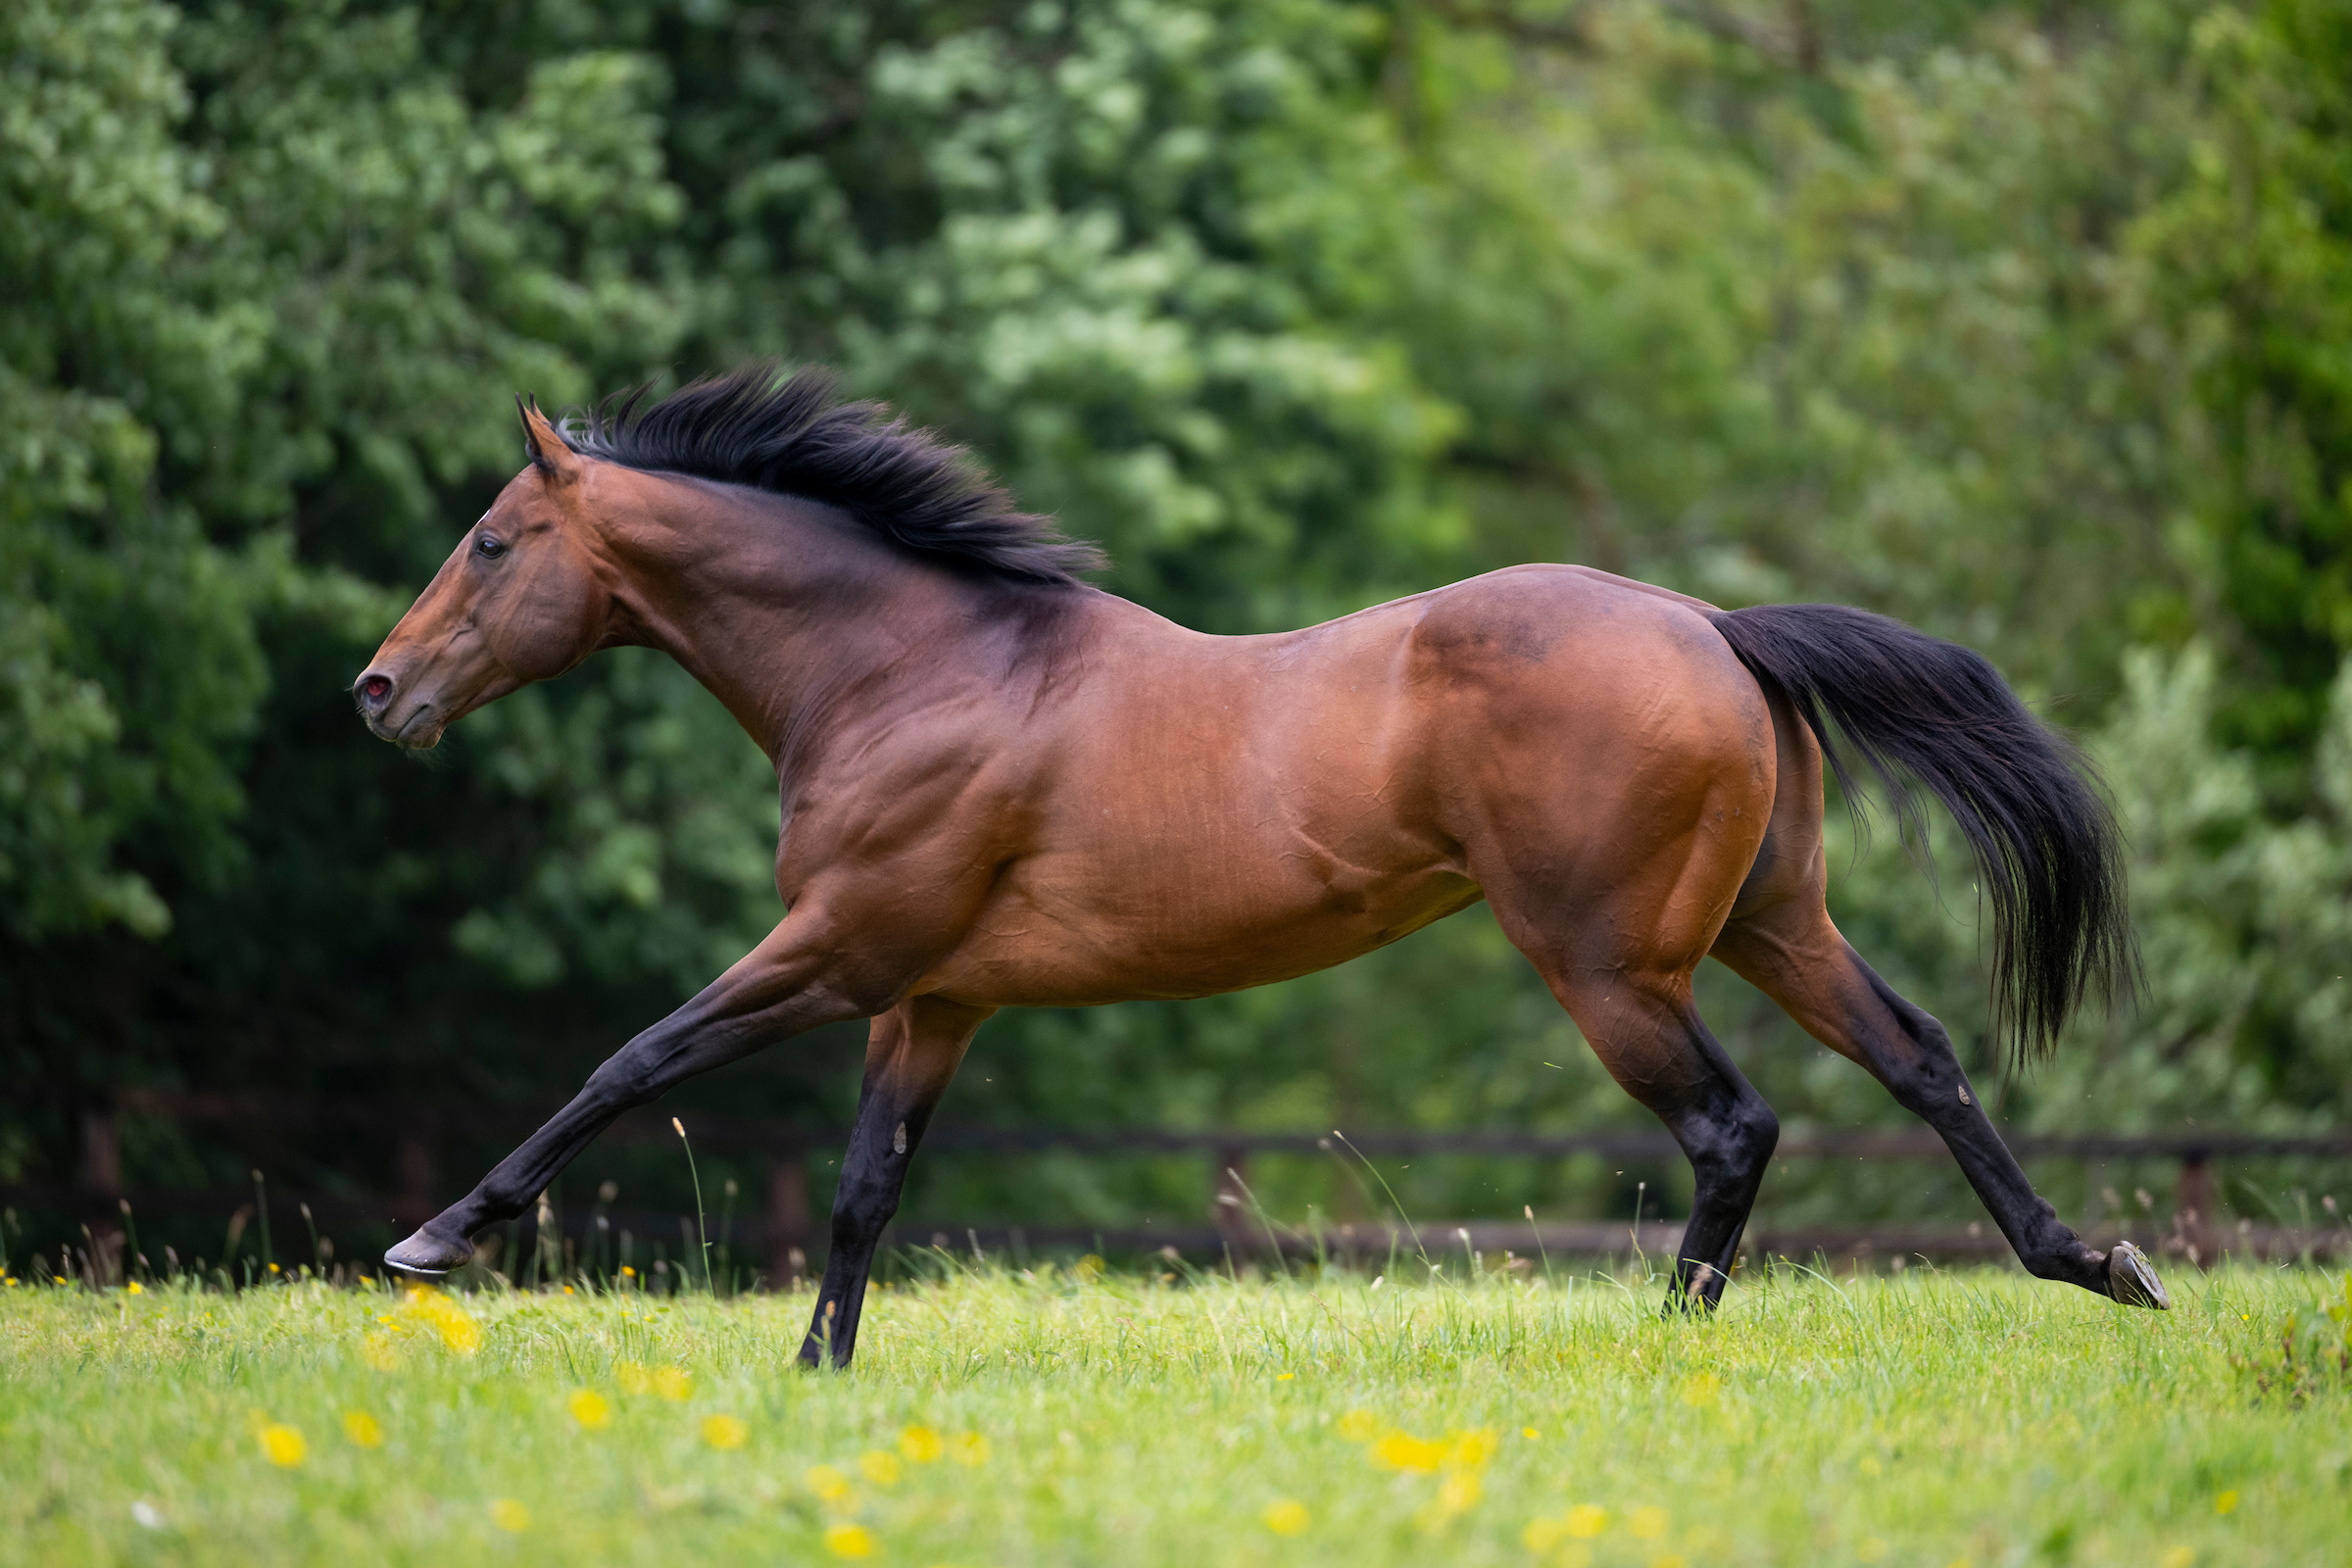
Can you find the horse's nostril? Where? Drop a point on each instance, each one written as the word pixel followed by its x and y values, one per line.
pixel 373 689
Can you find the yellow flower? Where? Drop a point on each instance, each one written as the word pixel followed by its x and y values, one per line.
pixel 1872 1550
pixel 1286 1518
pixel 1473 1448
pixel 1648 1524
pixel 2226 1503
pixel 509 1515
pixel 725 1432
pixel 1401 1450
pixel 1530 1433
pixel 1584 1522
pixel 591 1409
pixel 1087 1268
pixel 829 1484
pixel 1541 1535
pixel 919 1445
pixel 968 1448
pixel 672 1383
pixel 849 1540
pixel 1669 1559
pixel 1700 1392
pixel 361 1428
pixel 1358 1426
pixel 283 1446
pixel 2178 1557
pixel 882 1469
pixel 376 1350
pixel 133 1288
pixel 633 1378
pixel 1284 1377
pixel 438 1310
pixel 1458 1492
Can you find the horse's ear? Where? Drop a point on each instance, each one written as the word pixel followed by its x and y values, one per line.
pixel 549 452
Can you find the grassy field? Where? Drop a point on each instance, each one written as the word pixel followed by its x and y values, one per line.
pixel 999 1418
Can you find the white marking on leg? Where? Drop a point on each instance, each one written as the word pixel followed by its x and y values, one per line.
pixel 898 1140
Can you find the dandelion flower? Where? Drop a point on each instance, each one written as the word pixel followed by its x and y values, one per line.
pixel 1287 1518
pixel 376 1350
pixel 633 1378
pixel 968 1448
pixel 882 1469
pixel 590 1409
pixel 509 1515
pixel 919 1445
pixel 829 1484
pixel 1472 1448
pixel 1459 1492
pixel 1701 1391
pixel 849 1540
pixel 1401 1450
pixel 135 1288
pixel 1530 1433
pixel 2226 1503
pixel 1648 1524
pixel 363 1429
pixel 283 1446
pixel 1284 1377
pixel 437 1310
pixel 2178 1557
pixel 1358 1426
pixel 725 1432
pixel 1669 1559
pixel 1584 1522
pixel 672 1383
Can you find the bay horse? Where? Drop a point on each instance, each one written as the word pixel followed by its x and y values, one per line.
pixel 1003 787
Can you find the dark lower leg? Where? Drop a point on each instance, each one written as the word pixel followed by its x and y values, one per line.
pixel 1729 1133
pixel 1914 1059
pixel 675 1050
pixel 912 1055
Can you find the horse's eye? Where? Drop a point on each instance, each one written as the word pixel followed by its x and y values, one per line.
pixel 489 545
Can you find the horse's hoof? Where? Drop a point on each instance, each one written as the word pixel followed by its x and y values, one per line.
pixel 2132 1279
pixel 427 1256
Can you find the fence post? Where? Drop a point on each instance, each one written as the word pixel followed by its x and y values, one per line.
pixel 101 1152
pixel 1230 1213
pixel 415 1206
pixel 787 1217
pixel 2193 1219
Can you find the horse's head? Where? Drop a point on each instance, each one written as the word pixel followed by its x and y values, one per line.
pixel 520 599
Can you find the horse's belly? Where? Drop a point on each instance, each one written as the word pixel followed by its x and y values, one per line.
pixel 1044 944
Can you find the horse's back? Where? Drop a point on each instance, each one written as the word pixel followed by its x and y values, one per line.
pixel 1221 811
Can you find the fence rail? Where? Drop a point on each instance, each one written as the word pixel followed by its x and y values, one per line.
pixel 785 1234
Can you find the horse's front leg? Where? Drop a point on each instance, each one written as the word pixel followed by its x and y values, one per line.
pixel 912 1053
pixel 790 983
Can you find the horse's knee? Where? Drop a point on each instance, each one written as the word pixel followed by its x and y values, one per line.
pixel 1732 1144
pixel 865 1203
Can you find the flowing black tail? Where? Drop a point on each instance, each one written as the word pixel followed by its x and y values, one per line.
pixel 1916 708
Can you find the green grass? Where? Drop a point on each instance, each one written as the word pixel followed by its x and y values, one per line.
pixel 1927 1419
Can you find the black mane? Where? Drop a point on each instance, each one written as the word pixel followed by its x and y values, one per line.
pixel 793 435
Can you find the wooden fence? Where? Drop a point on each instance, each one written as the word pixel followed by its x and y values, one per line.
pixel 785 1233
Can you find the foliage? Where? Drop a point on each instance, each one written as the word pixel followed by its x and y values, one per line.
pixel 2027 328
pixel 1031 1418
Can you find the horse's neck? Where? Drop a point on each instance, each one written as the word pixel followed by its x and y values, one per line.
pixel 781 613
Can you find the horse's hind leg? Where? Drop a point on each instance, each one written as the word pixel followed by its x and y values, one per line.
pixel 1645 1030
pixel 1791 952
pixel 912 1053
